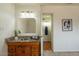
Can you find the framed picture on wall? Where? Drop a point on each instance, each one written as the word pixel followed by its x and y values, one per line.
pixel 66 24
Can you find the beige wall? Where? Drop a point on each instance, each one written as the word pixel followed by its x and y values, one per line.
pixel 64 41
pixel 7 25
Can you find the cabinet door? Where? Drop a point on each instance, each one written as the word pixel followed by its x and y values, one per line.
pixel 11 50
pixel 23 50
pixel 36 49
pixel 28 50
pixel 20 50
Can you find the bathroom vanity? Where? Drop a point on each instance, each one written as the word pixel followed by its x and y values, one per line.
pixel 27 30
pixel 24 47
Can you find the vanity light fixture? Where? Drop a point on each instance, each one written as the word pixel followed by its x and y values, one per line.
pixel 27 14
pixel 22 14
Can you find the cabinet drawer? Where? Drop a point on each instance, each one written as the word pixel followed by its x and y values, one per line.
pixel 11 48
pixel 19 47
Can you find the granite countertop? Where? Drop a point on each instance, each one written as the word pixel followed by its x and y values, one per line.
pixel 12 39
pixel 21 40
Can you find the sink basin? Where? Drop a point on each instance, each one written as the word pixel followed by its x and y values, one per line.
pixel 26 39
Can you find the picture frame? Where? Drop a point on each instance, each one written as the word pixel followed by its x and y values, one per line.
pixel 66 24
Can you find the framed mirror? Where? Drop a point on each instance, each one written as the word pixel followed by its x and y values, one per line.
pixel 26 26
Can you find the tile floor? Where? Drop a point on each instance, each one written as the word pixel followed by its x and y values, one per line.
pixel 50 53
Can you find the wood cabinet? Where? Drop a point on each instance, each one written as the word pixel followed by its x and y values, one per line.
pixel 24 48
pixel 35 49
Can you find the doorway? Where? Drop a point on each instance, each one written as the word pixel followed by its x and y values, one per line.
pixel 47 31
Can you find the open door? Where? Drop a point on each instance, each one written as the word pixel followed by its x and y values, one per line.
pixel 47 30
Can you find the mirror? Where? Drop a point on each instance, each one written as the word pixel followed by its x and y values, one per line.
pixel 26 25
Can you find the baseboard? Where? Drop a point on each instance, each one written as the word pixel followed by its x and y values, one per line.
pixel 66 51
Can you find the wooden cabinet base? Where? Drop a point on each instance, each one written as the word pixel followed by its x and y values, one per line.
pixel 24 48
